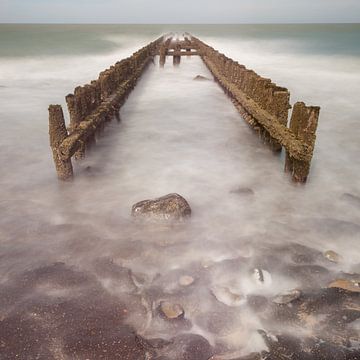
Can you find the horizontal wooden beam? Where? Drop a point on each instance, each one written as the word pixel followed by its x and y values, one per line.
pixel 182 53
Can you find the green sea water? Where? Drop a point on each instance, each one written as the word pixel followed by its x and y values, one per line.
pixel 38 40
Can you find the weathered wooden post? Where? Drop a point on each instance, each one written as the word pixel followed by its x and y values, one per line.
pixel 303 123
pixel 58 133
pixel 177 53
pixel 176 59
pixel 162 53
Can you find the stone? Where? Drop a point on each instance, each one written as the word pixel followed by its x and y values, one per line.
pixel 186 280
pixel 201 78
pixel 258 275
pixel 243 191
pixel 171 311
pixel 262 277
pixel 350 285
pixel 287 297
pixel 352 199
pixel 333 256
pixel 168 207
pixel 226 296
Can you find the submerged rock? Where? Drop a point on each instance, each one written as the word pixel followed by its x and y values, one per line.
pixel 262 277
pixel 350 285
pixel 352 199
pixel 333 256
pixel 186 280
pixel 258 275
pixel 168 207
pixel 226 296
pixel 171 311
pixel 201 78
pixel 288 297
pixel 243 191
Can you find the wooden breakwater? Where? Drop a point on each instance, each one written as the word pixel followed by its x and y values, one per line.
pixel 91 106
pixel 263 104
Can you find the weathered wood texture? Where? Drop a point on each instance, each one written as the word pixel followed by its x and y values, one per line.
pixel 58 133
pixel 265 106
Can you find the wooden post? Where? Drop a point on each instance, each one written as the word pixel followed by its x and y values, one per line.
pixel 70 101
pixel 162 55
pixel 58 133
pixel 176 60
pixel 303 123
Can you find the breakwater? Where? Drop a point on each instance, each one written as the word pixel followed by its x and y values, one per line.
pixel 263 104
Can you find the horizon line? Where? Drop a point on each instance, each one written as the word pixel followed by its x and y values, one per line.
pixel 131 23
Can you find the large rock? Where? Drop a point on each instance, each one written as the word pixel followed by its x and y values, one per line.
pixel 168 207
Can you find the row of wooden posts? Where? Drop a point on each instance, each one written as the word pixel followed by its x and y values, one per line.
pixel 263 104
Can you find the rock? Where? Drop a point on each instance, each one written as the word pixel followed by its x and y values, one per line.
pixel 333 256
pixel 201 78
pixel 350 285
pixel 258 275
pixel 262 277
pixel 287 297
pixel 168 207
pixel 171 311
pixel 186 280
pixel 243 191
pixel 352 199
pixel 226 296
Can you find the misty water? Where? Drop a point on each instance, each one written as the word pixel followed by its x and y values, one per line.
pixel 74 263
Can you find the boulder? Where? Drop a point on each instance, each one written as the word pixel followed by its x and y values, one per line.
pixel 168 207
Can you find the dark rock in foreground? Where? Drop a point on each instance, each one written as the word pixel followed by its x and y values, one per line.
pixel 168 207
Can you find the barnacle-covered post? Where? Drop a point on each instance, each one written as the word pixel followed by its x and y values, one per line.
pixel 303 123
pixel 162 54
pixel 58 133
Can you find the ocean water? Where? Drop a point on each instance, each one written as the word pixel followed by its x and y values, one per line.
pixel 175 135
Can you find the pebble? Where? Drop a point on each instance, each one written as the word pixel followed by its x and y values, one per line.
pixel 262 277
pixel 171 311
pixel 332 256
pixel 226 296
pixel 186 280
pixel 287 297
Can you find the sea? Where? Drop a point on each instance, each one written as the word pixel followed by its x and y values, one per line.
pixel 76 243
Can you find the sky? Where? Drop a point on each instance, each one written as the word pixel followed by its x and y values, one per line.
pixel 179 11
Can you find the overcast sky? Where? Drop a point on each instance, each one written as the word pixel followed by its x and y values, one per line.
pixel 179 11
